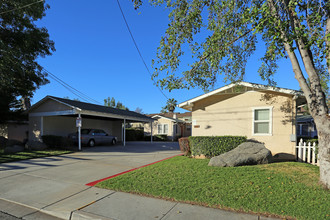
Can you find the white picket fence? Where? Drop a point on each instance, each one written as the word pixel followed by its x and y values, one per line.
pixel 306 153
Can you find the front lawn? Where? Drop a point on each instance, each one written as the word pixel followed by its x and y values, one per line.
pixel 4 158
pixel 281 189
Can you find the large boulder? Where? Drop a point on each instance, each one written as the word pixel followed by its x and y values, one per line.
pixel 13 149
pixel 35 145
pixel 247 153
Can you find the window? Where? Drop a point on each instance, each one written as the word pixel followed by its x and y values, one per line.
pixel 162 128
pixel 262 121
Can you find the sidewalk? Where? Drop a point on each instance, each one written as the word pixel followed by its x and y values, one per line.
pixel 119 205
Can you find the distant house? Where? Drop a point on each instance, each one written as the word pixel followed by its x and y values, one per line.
pixel 306 126
pixel 174 125
pixel 263 113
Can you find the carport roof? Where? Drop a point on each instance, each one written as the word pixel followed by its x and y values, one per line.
pixel 95 110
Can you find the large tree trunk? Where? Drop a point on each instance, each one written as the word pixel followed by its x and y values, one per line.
pixel 323 129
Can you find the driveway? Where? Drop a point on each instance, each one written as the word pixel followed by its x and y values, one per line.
pixel 57 185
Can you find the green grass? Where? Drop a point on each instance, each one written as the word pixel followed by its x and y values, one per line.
pixel 288 190
pixel 4 158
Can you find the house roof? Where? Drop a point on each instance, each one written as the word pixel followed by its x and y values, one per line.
pixel 171 114
pixel 171 119
pixel 231 88
pixel 304 118
pixel 93 109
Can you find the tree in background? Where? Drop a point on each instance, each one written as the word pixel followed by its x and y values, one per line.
pixel 139 110
pixel 21 43
pixel 170 106
pixel 228 32
pixel 111 102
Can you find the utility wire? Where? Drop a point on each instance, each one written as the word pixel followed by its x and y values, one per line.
pixel 25 6
pixel 71 89
pixel 137 48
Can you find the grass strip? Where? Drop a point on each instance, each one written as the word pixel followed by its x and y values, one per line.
pixel 288 190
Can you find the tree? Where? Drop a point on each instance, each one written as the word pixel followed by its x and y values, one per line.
pixel 21 43
pixel 170 106
pixel 111 102
pixel 298 30
pixel 139 110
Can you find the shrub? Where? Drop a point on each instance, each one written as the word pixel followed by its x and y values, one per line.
pixel 54 141
pixel 184 146
pixel 133 134
pixel 211 146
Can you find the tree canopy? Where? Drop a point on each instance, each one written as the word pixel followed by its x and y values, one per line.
pixel 21 43
pixel 170 106
pixel 111 102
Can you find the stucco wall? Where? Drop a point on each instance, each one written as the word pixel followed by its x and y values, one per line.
pixel 18 131
pixel 51 106
pixel 63 125
pixel 233 115
pixel 35 128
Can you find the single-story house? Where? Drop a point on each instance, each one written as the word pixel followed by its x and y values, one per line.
pixel 306 126
pixel 263 113
pixel 58 116
pixel 174 125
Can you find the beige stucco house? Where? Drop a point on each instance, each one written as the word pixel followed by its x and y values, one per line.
pixel 57 116
pixel 263 113
pixel 174 125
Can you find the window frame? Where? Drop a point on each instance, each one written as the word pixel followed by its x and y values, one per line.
pixel 270 121
pixel 162 129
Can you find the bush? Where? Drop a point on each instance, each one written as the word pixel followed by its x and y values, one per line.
pixel 184 146
pixel 157 137
pixel 54 141
pixel 212 146
pixel 133 134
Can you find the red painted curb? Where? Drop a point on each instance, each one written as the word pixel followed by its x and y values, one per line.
pixel 127 171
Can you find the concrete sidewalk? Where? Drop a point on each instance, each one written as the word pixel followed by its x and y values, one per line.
pixel 55 187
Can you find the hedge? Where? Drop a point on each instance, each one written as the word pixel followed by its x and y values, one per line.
pixel 54 141
pixel 157 137
pixel 133 134
pixel 211 146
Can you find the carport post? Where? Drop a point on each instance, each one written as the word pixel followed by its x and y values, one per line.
pixel 151 132
pixel 79 135
pixel 124 131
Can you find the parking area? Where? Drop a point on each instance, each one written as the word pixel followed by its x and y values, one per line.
pixel 57 185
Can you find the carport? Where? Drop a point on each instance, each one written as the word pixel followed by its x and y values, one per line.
pixel 59 116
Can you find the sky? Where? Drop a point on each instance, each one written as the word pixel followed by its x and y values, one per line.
pixel 96 55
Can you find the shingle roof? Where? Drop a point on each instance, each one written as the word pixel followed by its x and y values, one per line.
pixel 99 108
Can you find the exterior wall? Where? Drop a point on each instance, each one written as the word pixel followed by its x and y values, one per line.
pixel 232 114
pixel 155 128
pixel 63 126
pixel 18 131
pixel 35 128
pixel 51 106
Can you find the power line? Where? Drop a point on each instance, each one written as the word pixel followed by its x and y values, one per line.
pixel 137 48
pixel 25 6
pixel 71 89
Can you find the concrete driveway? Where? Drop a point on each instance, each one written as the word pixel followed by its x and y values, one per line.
pixel 57 185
